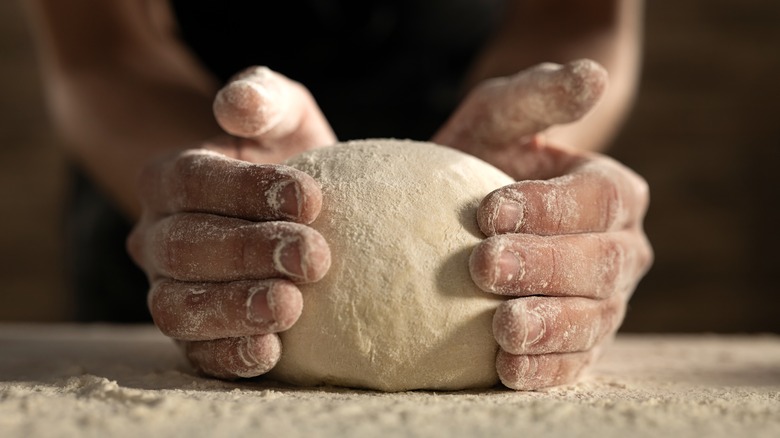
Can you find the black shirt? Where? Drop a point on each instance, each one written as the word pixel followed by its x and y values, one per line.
pixel 381 68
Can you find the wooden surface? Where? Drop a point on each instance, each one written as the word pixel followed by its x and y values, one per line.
pixel 704 132
pixel 130 381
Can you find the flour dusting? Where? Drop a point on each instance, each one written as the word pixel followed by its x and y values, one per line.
pixel 99 381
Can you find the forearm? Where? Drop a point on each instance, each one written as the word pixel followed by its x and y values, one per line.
pixel 119 95
pixel 607 31
pixel 113 126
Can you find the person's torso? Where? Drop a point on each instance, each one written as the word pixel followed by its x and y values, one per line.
pixel 377 68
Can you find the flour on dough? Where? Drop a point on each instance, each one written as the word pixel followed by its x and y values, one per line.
pixel 398 309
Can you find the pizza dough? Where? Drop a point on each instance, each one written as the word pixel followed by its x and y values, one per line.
pixel 398 309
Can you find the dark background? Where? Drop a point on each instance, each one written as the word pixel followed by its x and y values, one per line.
pixel 705 132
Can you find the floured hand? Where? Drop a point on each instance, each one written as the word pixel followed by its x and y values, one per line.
pixel 566 238
pixel 223 236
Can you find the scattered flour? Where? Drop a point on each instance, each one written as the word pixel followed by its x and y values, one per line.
pixel 98 381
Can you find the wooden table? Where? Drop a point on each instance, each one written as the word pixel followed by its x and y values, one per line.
pixel 74 380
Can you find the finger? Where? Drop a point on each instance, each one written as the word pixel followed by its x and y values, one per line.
pixel 503 111
pixel 597 195
pixel 542 325
pixel 527 373
pixel 200 247
pixel 207 182
pixel 261 104
pixel 231 358
pixel 205 311
pixel 596 265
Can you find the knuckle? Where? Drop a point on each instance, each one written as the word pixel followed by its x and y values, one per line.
pixel 641 194
pixel 646 254
pixel 554 258
pixel 613 256
pixel 134 245
pixel 565 370
pixel 613 206
pixel 639 258
pixel 185 167
pixel 203 355
pixel 245 258
pixel 641 187
pixel 638 189
pixel 159 304
pixel 245 248
pixel 173 242
pixel 615 311
pixel 550 207
pixel 622 189
pixel 169 250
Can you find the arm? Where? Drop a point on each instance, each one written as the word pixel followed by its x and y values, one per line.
pixel 121 89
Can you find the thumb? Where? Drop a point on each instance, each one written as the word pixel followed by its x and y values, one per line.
pixel 275 112
pixel 508 111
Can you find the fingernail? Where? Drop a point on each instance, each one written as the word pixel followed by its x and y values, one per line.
pixel 258 74
pixel 509 269
pixel 258 308
pixel 288 258
pixel 517 328
pixel 534 328
pixel 287 199
pixel 508 217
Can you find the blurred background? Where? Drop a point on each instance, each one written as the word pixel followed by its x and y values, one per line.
pixel 705 132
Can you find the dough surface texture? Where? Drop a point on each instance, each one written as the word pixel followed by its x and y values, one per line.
pixel 398 309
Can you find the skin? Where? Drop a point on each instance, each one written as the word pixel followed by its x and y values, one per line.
pixel 222 228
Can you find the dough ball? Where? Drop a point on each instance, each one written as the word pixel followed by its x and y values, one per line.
pixel 398 309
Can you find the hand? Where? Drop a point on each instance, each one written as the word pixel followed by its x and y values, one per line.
pixel 566 238
pixel 223 236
